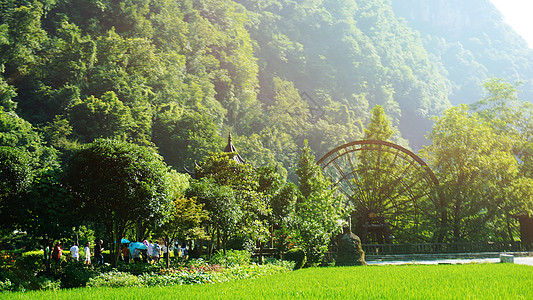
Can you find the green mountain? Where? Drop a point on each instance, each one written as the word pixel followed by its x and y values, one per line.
pixel 179 74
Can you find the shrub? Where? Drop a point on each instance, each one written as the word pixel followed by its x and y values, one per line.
pixel 76 274
pixel 248 272
pixel 30 261
pixel 7 285
pixel 114 279
pixel 42 283
pixel 153 279
pixel 138 268
pixel 287 264
pixel 296 255
pixel 232 258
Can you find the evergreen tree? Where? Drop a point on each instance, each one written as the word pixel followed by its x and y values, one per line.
pixel 379 126
pixel 318 209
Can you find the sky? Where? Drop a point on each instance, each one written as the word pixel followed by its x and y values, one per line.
pixel 517 13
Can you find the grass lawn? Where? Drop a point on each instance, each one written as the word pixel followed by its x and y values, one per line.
pixel 470 281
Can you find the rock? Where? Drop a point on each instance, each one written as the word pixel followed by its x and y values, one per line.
pixel 349 251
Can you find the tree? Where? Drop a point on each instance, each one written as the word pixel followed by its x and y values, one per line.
pixel 472 163
pixel 106 117
pixel 379 126
pixel 118 183
pixel 244 182
pixel 184 222
pixel 318 209
pixel 17 176
pixel 222 208
pixel 289 112
pixel 48 210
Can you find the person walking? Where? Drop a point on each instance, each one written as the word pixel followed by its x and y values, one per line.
pixel 87 250
pixel 75 252
pixel 98 249
pixel 125 254
pixel 56 253
pixel 155 252
pixel 164 249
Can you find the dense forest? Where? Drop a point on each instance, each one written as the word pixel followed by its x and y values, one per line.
pixel 178 76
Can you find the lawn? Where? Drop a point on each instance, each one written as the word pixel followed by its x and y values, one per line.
pixel 470 281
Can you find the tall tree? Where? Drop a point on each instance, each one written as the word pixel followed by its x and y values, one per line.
pixel 472 162
pixel 117 183
pixel 318 210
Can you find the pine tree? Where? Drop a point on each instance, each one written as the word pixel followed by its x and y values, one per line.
pixel 318 210
pixel 379 126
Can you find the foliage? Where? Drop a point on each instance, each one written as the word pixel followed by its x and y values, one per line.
pixel 152 279
pixel 318 209
pixel 472 162
pixel 118 183
pixel 248 272
pixel 221 206
pixel 296 255
pixel 6 285
pixel 379 126
pixel 115 279
pixel 76 274
pixel 231 258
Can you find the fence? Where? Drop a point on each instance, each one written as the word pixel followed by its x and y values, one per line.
pixel 434 248
pixel 428 248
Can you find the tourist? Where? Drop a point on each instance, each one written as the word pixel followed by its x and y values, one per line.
pixel 98 249
pixel 56 253
pixel 87 250
pixel 136 255
pixel 155 252
pixel 164 249
pixel 75 252
pixel 183 251
pixel 125 253
pixel 149 249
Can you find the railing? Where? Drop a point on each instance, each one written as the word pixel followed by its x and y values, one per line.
pixel 428 248
pixel 433 248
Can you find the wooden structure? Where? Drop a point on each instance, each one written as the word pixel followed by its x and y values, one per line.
pixel 394 195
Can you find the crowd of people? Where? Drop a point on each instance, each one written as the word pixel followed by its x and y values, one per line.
pixel 144 251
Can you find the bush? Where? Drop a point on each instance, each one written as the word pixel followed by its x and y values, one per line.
pixel 114 279
pixel 42 283
pixel 76 274
pixel 153 279
pixel 287 264
pixel 232 258
pixel 30 261
pixel 7 285
pixel 248 272
pixel 138 268
pixel 296 255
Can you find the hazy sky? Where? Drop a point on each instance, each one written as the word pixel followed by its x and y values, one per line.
pixel 518 14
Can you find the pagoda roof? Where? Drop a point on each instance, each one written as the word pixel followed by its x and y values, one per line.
pixel 230 148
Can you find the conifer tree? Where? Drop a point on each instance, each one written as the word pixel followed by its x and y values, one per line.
pixel 379 126
pixel 318 209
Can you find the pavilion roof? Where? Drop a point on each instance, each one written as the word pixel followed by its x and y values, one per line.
pixel 230 148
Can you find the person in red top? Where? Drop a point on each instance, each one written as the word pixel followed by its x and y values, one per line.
pixel 56 253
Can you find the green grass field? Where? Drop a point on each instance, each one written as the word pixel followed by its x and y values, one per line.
pixel 471 281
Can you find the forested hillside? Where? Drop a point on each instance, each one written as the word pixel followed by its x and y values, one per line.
pixel 181 74
pixel 472 42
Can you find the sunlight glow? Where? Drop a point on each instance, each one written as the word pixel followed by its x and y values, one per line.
pixel 517 13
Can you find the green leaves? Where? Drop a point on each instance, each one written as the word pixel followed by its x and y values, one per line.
pixel 318 210
pixel 118 183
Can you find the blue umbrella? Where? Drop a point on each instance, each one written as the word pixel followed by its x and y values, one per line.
pixel 136 245
pixel 124 241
